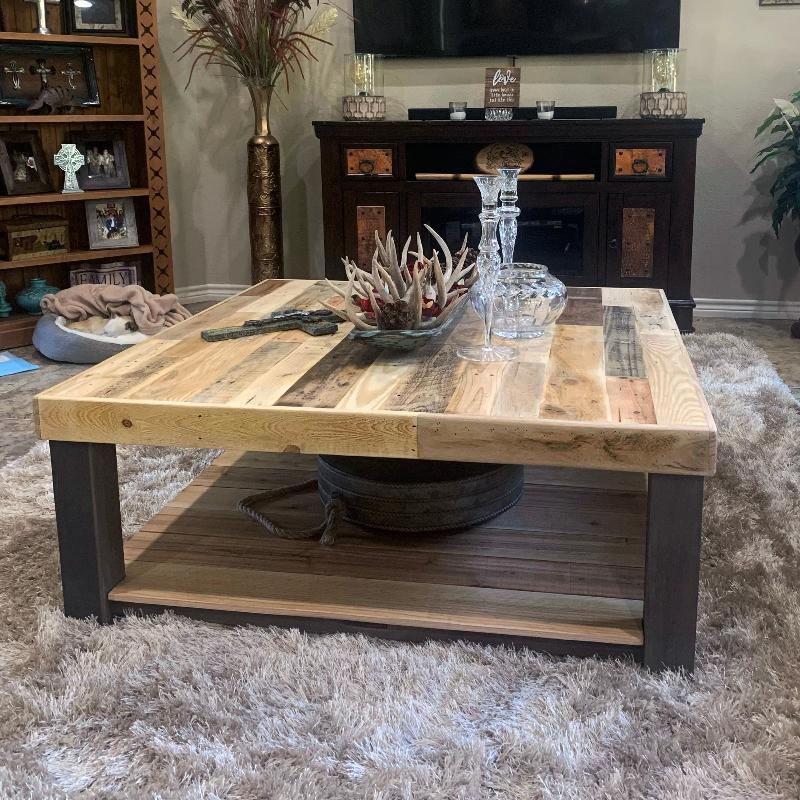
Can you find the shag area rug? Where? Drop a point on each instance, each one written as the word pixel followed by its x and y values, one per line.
pixel 169 708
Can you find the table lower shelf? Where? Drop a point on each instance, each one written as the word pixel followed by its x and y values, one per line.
pixel 567 563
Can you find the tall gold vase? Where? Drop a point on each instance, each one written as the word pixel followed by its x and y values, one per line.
pixel 264 193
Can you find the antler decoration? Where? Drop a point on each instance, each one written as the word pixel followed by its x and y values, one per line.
pixel 396 296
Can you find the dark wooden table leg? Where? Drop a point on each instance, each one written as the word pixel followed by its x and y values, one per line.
pixel 89 528
pixel 672 569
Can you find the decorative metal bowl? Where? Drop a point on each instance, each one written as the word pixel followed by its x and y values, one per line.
pixel 401 340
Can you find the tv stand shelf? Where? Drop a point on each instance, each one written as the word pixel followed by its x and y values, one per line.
pixel 607 201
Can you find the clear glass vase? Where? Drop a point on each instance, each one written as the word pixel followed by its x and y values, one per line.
pixel 528 300
pixel 483 291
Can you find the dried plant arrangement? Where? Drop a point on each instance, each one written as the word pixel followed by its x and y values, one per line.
pixel 397 295
pixel 263 42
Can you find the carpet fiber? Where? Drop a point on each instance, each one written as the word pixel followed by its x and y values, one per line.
pixel 170 708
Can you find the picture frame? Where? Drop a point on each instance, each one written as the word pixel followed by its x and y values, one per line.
pixel 23 165
pixel 779 2
pixel 102 18
pixel 106 157
pixel 69 70
pixel 111 223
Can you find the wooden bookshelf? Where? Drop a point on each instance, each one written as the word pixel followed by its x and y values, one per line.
pixel 75 256
pixel 64 38
pixel 17 330
pixel 130 101
pixel 72 197
pixel 60 119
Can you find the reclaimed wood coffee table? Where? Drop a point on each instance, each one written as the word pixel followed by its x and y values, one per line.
pixel 601 555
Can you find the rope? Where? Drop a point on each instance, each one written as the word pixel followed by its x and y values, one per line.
pixel 334 508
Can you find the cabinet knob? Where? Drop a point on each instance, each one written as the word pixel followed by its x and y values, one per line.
pixel 641 166
pixel 613 244
pixel 366 166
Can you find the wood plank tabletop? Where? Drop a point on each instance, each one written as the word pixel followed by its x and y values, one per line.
pixel 610 386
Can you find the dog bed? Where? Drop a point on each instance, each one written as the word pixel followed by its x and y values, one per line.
pixel 54 339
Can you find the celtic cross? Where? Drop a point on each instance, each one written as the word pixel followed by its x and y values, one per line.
pixel 70 160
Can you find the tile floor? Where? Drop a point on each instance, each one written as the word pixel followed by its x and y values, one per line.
pixel 17 391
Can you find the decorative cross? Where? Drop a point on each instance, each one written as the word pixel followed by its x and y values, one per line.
pixel 42 71
pixel 70 160
pixel 70 72
pixel 14 71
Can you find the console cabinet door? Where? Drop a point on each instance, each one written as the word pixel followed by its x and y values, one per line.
pixel 637 240
pixel 365 213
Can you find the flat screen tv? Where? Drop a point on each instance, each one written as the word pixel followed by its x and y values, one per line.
pixel 431 28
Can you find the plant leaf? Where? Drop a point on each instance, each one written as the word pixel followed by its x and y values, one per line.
pixel 771 119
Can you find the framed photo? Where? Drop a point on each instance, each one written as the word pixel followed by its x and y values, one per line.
pixel 68 71
pixel 102 17
pixel 111 223
pixel 106 164
pixel 22 163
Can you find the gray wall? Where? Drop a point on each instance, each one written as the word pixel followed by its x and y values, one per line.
pixel 739 56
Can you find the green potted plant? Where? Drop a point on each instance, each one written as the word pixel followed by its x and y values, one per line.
pixel 784 123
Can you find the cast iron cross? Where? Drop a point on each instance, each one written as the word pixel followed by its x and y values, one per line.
pixel 42 71
pixel 70 72
pixel 14 71
pixel 70 160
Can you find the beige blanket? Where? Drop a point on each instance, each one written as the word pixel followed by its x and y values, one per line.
pixel 150 312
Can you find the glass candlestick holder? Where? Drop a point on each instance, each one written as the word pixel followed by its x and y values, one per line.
pixel 483 291
pixel 508 211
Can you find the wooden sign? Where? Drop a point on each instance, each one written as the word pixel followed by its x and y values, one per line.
pixel 501 88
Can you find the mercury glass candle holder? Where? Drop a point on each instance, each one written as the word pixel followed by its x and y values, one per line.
pixel 483 291
pixel 509 211
pixel 498 114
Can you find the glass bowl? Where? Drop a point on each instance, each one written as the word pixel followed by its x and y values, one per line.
pixel 529 299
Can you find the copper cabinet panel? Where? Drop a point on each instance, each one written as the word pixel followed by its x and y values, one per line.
pixel 640 162
pixel 369 161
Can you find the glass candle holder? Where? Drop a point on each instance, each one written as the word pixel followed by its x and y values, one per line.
pixel 545 109
pixel 663 70
pixel 363 97
pixel 458 110
pixel 363 75
pixel 662 91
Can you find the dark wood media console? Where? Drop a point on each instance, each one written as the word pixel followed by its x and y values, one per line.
pixel 610 201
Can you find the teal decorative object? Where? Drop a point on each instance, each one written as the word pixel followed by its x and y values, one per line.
pixel 28 299
pixel 5 306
